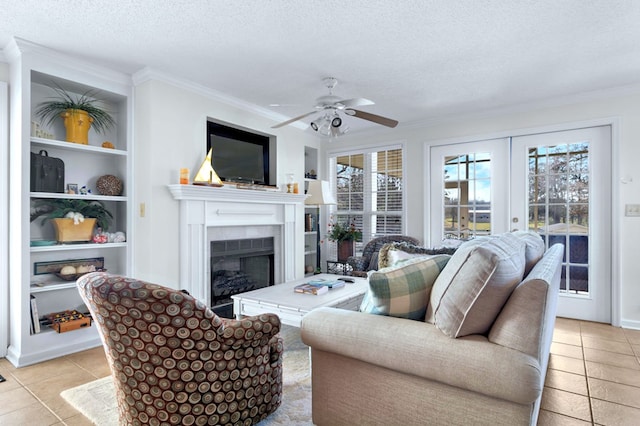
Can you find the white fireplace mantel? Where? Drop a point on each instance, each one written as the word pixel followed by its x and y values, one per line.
pixel 205 208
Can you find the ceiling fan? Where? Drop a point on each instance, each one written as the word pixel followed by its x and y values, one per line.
pixel 330 122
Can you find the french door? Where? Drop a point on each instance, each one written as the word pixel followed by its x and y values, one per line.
pixel 556 184
pixel 561 188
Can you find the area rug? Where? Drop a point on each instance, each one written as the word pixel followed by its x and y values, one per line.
pixel 97 401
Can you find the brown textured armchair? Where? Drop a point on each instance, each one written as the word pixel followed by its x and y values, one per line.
pixel 369 259
pixel 174 361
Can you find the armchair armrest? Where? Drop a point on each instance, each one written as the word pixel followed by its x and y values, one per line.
pixel 259 328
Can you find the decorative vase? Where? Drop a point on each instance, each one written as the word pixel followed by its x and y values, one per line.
pixel 67 231
pixel 77 122
pixel 109 185
pixel 345 249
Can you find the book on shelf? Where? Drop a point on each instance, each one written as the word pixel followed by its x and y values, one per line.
pixel 307 288
pixel 331 283
pixel 35 317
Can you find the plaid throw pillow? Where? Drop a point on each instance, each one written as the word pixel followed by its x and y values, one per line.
pixel 403 291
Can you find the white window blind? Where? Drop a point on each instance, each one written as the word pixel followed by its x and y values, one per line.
pixel 370 193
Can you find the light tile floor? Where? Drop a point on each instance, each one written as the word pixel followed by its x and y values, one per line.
pixel 593 379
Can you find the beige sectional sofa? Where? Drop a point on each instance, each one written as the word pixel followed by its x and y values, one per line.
pixel 372 369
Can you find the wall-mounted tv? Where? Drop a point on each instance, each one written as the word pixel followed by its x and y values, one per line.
pixel 240 155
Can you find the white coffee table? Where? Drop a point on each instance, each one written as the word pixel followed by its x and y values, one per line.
pixel 290 306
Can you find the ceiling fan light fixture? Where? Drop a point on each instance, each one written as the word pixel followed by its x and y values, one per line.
pixel 338 131
pixel 325 128
pixel 331 104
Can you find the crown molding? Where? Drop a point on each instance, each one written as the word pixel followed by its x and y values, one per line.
pixel 147 74
pixel 555 102
pixel 17 48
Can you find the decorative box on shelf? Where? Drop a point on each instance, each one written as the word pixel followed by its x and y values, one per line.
pixel 68 321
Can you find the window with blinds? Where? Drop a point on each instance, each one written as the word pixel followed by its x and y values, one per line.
pixel 369 191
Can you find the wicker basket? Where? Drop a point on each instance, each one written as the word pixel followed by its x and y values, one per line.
pixel 68 232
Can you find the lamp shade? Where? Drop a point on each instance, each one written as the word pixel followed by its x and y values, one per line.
pixel 319 193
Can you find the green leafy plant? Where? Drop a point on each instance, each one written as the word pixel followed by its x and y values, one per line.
pixel 343 231
pixel 57 208
pixel 49 110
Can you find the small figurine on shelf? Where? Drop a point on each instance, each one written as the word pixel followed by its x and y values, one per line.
pixel 289 183
pixel 100 237
pixel 119 237
pixel 84 190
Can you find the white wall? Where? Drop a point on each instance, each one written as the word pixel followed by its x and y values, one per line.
pixel 624 108
pixel 169 133
pixel 4 71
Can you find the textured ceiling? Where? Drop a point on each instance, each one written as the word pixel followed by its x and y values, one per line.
pixel 418 60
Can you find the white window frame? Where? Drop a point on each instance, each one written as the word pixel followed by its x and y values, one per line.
pixel 367 212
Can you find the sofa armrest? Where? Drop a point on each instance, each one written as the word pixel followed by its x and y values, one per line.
pixel 420 349
pixel 527 320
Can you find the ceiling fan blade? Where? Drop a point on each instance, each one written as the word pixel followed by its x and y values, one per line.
pixel 371 117
pixel 348 103
pixel 300 117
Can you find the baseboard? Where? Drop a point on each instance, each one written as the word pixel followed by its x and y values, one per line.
pixel 635 325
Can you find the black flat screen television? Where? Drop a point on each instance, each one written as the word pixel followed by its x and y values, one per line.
pixel 239 155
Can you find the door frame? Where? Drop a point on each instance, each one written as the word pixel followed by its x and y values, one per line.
pixel 4 219
pixel 616 209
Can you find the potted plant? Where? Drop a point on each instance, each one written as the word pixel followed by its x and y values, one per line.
pixel 73 219
pixel 344 234
pixel 79 111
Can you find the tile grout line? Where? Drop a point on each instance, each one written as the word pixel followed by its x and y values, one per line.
pixel 41 402
pixel 569 372
pixel 613 381
pixel 586 376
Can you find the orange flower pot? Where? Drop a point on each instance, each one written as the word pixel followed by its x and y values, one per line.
pixel 77 122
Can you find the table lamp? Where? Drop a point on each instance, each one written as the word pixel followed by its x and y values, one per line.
pixel 319 194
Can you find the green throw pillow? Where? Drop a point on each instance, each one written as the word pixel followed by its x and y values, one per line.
pixel 403 291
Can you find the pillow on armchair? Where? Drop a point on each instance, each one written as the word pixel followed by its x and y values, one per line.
pixel 392 254
pixel 360 265
pixel 373 263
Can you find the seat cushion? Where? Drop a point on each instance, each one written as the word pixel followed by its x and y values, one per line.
pixel 470 292
pixel 403 291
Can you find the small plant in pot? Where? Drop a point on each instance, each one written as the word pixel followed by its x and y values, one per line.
pixel 344 234
pixel 73 219
pixel 79 112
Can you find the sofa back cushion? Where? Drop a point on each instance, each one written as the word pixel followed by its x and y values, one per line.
pixel 470 292
pixel 534 248
pixel 403 291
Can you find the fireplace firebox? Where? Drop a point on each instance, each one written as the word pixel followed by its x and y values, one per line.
pixel 238 266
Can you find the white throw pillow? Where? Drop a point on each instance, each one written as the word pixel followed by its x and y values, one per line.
pixel 470 292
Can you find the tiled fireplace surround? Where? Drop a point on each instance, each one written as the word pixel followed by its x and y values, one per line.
pixel 216 214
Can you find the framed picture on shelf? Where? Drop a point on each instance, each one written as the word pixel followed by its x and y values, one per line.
pixel 72 188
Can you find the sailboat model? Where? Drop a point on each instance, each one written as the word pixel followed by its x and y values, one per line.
pixel 206 175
